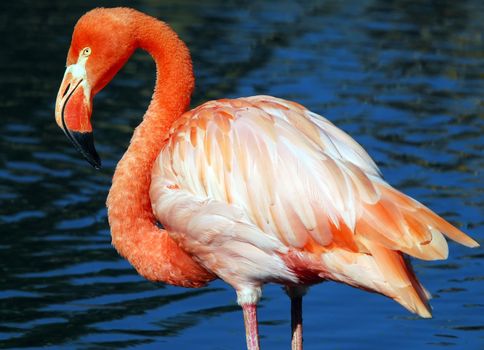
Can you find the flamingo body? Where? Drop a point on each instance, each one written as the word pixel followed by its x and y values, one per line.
pixel 260 189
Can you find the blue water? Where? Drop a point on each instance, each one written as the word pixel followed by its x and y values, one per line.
pixel 403 77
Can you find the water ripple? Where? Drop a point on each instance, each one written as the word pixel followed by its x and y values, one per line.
pixel 403 77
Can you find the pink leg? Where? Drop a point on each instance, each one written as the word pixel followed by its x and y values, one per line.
pixel 296 323
pixel 251 328
pixel 296 294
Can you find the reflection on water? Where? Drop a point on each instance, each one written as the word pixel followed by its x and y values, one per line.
pixel 403 77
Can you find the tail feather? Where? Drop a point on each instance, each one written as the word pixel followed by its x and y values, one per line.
pixel 401 223
pixel 448 229
pixel 385 231
pixel 399 274
pixel 380 270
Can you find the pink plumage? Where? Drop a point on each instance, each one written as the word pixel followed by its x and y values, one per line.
pixel 260 189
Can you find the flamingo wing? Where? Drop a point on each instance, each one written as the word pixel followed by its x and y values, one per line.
pixel 299 182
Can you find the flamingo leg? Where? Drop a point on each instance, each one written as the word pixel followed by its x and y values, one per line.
pixel 296 294
pixel 296 323
pixel 251 326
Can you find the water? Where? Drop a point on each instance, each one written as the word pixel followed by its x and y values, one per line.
pixel 403 77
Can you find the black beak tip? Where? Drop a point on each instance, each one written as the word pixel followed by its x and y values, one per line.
pixel 84 143
pixel 97 166
pixel 96 162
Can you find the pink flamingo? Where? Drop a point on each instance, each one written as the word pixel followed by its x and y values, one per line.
pixel 250 190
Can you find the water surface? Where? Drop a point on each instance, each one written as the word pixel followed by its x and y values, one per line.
pixel 403 77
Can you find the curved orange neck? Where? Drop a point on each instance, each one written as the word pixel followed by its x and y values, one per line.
pixel 134 232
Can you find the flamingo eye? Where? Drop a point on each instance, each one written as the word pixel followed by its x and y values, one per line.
pixel 86 51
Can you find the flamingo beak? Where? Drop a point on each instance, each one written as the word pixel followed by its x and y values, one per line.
pixel 73 112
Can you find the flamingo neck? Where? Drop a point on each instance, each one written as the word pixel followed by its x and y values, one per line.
pixel 134 233
pixel 174 73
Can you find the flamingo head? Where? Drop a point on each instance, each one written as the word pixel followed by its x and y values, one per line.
pixel 102 42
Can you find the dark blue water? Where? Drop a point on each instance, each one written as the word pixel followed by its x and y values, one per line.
pixel 403 77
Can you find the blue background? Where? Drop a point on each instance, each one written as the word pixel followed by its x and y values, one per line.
pixel 405 78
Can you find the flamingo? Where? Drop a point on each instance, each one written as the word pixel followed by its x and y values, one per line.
pixel 250 190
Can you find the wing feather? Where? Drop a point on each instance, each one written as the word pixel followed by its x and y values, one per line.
pixel 296 175
pixel 263 175
pixel 298 178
